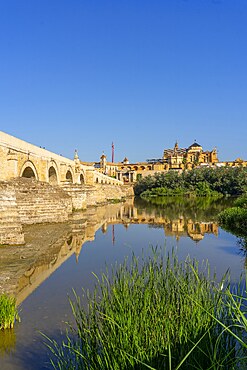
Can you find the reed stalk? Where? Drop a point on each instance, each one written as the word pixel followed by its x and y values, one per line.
pixel 156 313
pixel 8 312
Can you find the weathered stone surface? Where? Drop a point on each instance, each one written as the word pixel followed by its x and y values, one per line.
pixel 101 194
pixel 40 202
pixel 10 224
pixel 27 201
pixel 78 195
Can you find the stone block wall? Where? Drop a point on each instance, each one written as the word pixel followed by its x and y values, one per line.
pixel 10 224
pixel 101 194
pixel 77 194
pixel 40 202
pixel 26 201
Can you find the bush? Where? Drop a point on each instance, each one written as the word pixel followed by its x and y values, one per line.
pixel 235 220
pixel 241 201
pixel 201 181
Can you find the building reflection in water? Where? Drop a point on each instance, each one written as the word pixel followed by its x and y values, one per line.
pixel 49 246
pixel 24 268
pixel 178 227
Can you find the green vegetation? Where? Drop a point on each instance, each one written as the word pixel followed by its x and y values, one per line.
pixel 190 208
pixel 202 190
pixel 197 182
pixel 155 314
pixel 234 219
pixel 8 312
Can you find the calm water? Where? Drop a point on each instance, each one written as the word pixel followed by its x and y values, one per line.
pixel 92 240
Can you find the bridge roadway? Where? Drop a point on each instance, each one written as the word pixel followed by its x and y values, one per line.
pixel 19 158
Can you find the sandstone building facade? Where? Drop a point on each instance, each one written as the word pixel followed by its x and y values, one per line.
pixel 173 159
pixel 176 158
pixel 188 158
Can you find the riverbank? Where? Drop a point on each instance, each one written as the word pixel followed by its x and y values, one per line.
pixel 47 246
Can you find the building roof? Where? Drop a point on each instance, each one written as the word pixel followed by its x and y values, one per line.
pixel 171 152
pixel 194 144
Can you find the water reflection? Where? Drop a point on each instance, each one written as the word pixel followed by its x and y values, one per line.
pixel 178 216
pixel 193 217
pixel 196 209
pixel 59 257
pixel 7 342
pixel 47 247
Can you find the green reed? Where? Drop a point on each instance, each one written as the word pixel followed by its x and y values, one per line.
pixel 154 313
pixel 8 312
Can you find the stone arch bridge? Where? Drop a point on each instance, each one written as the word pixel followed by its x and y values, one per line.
pixel 21 159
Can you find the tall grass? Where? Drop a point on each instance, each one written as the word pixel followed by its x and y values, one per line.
pixel 151 314
pixel 8 312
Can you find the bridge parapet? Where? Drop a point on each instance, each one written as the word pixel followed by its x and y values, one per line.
pixel 21 159
pixel 100 178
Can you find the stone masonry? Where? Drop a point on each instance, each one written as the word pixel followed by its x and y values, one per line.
pixel 27 201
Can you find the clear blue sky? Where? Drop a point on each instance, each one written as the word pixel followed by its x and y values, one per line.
pixel 141 73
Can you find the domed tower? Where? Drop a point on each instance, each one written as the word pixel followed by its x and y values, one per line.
pixel 125 161
pixel 194 152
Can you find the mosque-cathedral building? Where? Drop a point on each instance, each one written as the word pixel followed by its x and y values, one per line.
pixel 177 159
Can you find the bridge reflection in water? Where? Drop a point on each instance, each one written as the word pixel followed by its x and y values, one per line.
pixel 47 247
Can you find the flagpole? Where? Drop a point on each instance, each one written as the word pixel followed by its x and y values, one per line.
pixel 112 152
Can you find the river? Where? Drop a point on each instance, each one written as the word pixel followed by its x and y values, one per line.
pixel 60 257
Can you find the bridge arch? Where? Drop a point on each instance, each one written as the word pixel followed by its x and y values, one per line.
pixel 82 178
pixel 52 175
pixel 29 170
pixel 69 175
